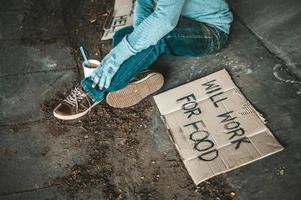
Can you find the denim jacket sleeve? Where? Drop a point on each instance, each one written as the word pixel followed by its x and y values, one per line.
pixel 143 9
pixel 160 22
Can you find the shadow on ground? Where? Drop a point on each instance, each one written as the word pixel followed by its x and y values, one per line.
pixel 124 154
pixel 109 154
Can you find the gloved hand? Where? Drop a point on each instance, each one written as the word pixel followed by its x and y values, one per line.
pixel 104 73
pixel 108 67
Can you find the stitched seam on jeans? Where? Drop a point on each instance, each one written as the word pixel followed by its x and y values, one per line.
pixel 191 37
pixel 208 30
pixel 217 36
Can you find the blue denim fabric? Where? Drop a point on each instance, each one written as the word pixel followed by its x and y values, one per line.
pixel 189 38
pixel 215 12
pixel 153 20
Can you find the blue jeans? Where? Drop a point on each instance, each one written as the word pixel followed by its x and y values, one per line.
pixel 189 38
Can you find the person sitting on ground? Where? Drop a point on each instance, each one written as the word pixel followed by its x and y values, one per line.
pixel 175 27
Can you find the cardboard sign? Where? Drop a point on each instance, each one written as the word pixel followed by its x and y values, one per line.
pixel 214 127
pixel 120 17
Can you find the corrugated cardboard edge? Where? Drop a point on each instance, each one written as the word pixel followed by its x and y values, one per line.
pixel 234 167
pixel 259 115
pixel 169 131
pixel 108 21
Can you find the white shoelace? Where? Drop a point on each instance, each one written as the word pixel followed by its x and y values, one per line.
pixel 76 95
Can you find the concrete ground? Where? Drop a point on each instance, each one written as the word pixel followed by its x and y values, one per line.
pixel 126 154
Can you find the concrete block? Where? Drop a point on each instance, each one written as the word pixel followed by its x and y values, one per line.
pixel 33 156
pixel 18 58
pixel 11 25
pixel 22 96
pixel 278 24
pixel 15 5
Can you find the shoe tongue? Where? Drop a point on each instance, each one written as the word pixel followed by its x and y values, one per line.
pixel 85 101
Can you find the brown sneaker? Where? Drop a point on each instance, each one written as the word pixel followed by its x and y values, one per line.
pixel 142 86
pixel 76 105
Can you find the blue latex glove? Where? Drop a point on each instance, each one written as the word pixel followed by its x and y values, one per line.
pixel 104 73
pixel 110 64
pixel 151 29
pixel 152 24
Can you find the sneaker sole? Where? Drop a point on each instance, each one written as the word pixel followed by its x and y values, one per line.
pixel 71 117
pixel 135 91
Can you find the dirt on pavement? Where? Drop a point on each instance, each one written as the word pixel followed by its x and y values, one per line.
pixel 130 155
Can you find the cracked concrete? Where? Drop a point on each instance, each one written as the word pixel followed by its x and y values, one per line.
pixel 35 194
pixel 42 158
pixel 276 24
pixel 32 153
pixel 18 58
pixel 33 156
pixel 17 92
